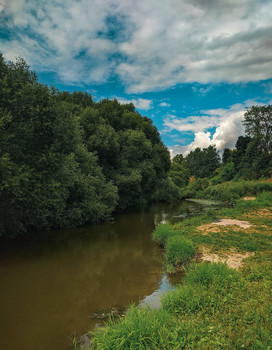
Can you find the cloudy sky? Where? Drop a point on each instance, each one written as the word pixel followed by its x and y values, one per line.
pixel 193 66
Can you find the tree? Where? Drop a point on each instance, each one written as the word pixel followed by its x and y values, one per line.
pixel 202 163
pixel 226 155
pixel 179 174
pixel 178 159
pixel 258 125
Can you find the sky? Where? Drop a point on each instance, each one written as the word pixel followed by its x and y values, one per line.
pixel 192 66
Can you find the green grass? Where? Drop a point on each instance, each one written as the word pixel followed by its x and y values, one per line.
pixel 178 250
pixel 162 233
pixel 139 329
pixel 215 307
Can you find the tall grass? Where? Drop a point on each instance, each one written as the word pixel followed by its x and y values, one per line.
pixel 162 233
pixel 139 329
pixel 178 250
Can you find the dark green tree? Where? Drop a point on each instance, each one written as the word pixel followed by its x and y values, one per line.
pixel 258 125
pixel 202 163
pixel 226 156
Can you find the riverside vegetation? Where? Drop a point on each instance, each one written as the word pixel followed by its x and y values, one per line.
pixel 214 307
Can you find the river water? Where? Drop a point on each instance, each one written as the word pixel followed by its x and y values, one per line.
pixel 57 285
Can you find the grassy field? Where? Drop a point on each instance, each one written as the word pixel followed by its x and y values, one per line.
pixel 215 306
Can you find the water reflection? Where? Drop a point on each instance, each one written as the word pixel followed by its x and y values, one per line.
pixel 51 287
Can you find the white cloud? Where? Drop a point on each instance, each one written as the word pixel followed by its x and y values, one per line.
pixel 139 103
pixel 227 122
pixel 154 45
pixel 164 104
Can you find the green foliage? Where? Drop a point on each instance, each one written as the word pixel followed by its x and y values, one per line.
pixel 224 173
pixel 202 163
pixel 162 233
pixel 230 191
pixel 258 125
pixel 178 159
pixel 66 160
pixel 178 250
pixel 227 156
pixel 250 160
pixel 197 186
pixel 179 174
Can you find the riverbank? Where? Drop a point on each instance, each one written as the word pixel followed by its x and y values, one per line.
pixel 215 306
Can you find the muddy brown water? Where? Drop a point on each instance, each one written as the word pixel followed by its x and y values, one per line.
pixel 57 285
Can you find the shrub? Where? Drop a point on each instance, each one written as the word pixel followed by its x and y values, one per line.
pixel 178 250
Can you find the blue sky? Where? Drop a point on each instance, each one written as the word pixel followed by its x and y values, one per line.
pixel 192 66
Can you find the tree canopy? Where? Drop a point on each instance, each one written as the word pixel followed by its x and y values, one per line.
pixel 66 160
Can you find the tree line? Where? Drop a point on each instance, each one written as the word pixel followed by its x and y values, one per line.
pixel 251 158
pixel 66 160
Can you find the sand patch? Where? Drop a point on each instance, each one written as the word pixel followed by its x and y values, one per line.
pixel 214 227
pixel 232 222
pixel 249 198
pixel 232 259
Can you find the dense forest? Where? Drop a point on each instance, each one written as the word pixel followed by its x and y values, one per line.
pixel 66 160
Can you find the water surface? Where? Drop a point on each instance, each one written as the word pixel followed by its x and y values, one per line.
pixel 63 284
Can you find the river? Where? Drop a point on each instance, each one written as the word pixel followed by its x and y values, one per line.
pixel 58 285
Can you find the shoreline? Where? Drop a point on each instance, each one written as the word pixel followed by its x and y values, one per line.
pixel 216 305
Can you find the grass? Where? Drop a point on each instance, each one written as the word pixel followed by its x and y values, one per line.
pixel 162 233
pixel 215 307
pixel 178 250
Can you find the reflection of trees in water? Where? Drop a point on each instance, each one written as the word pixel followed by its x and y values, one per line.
pixel 174 212
pixel 59 282
pixel 52 286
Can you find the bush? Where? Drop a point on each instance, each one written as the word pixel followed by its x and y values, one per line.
pixel 178 250
pixel 162 233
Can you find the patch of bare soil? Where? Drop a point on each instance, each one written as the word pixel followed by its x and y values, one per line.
pixel 232 259
pixel 260 213
pixel 214 227
pixel 232 222
pixel 249 198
